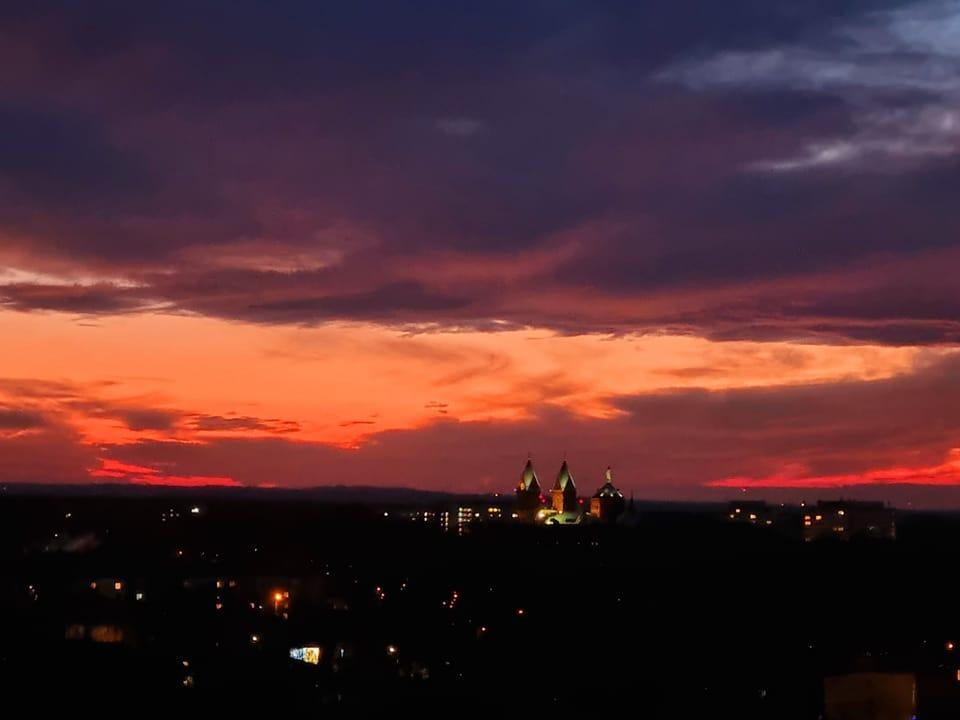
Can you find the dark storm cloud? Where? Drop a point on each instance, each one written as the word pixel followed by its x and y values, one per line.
pixel 654 148
pixel 364 33
pixel 64 159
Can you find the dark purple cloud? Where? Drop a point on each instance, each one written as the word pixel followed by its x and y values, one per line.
pixel 381 162
pixel 378 303
pixel 97 299
pixel 239 423
pixel 55 404
pixel 15 419
pixel 133 415
pixel 51 453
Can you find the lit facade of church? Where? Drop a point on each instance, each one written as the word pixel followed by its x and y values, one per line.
pixel 564 506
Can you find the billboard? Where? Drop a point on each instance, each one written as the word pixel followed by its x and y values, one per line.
pixel 308 654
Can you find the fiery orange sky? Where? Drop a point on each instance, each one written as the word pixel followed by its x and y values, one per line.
pixel 119 383
pixel 719 256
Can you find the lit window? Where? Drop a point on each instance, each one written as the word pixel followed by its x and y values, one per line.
pixel 118 586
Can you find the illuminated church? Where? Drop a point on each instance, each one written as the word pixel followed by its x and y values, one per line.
pixel 529 494
pixel 564 506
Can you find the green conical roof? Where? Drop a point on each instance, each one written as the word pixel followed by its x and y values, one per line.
pixel 529 480
pixel 564 478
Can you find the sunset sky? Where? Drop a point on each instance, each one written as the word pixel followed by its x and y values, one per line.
pixel 715 245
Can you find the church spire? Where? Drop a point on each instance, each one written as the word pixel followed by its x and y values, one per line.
pixel 564 491
pixel 528 491
pixel 564 478
pixel 528 479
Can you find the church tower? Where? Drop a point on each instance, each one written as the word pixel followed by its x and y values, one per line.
pixel 528 492
pixel 607 502
pixel 564 491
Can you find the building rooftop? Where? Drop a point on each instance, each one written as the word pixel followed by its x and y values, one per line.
pixel 608 489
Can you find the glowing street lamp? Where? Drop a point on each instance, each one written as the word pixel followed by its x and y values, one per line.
pixel 278 597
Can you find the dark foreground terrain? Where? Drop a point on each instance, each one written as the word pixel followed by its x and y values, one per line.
pixel 127 604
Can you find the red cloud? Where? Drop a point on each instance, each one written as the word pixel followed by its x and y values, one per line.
pixel 947 473
pixel 186 481
pixel 143 475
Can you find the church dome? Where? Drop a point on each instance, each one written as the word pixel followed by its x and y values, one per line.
pixel 608 489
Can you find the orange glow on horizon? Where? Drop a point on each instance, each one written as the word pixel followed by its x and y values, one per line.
pixel 127 379
pixel 140 475
pixel 342 382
